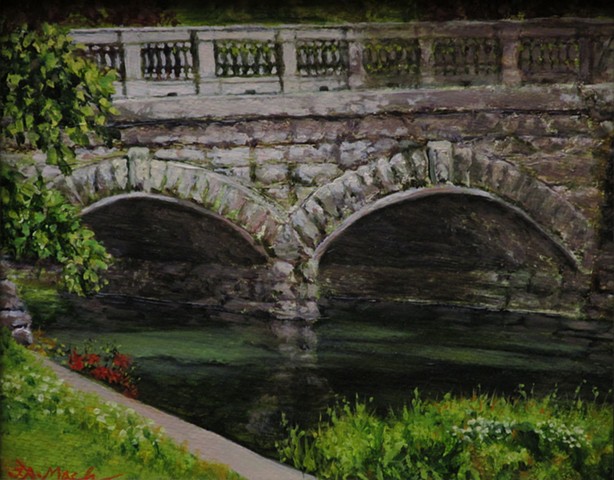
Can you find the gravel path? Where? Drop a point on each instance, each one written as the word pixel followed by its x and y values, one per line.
pixel 207 445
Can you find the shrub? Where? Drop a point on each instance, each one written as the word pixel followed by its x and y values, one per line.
pixel 484 437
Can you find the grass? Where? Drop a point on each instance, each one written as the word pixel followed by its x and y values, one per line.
pixel 482 437
pixel 46 424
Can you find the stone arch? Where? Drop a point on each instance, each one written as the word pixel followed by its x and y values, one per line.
pixel 438 164
pixel 420 193
pixel 169 249
pixel 217 193
pixel 448 245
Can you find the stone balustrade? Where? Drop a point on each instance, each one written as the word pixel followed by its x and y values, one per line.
pixel 299 58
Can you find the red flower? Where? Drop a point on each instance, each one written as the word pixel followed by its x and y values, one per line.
pixel 91 359
pixel 113 376
pixel 131 391
pixel 101 373
pixel 75 361
pixel 121 361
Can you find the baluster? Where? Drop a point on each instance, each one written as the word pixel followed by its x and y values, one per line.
pixel 356 70
pixel 289 70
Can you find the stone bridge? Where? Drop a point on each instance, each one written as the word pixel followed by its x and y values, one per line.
pixel 268 169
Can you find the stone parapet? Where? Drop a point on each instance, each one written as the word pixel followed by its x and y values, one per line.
pixel 233 60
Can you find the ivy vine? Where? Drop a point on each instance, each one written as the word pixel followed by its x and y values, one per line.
pixel 54 99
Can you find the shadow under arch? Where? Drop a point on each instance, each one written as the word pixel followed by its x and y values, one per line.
pixel 172 249
pixel 187 237
pixel 448 245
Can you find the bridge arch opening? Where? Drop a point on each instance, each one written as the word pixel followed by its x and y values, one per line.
pixel 447 245
pixel 171 249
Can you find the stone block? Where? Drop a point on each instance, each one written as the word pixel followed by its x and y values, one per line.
pixel 84 182
pixel 230 157
pixel 382 147
pixel 280 193
pixel 313 153
pixel 308 130
pixel 330 198
pixel 403 175
pixel 268 174
pixel 105 181
pixel 366 174
pixel 440 161
pixel 385 176
pixel 282 270
pixel 187 182
pixel 316 213
pixel 303 192
pixel 355 197
pixel 252 216
pixel 381 126
pixel 180 154
pixel 463 156
pixel 173 175
pixel 316 174
pixel 223 134
pixel 266 155
pixel 157 175
pixel 419 163
pixel 287 245
pixel 120 172
pixel 243 174
pixel 267 132
pixel 495 173
pixel 352 154
pixel 305 227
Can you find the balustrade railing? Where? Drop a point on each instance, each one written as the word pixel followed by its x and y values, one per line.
pixel 253 59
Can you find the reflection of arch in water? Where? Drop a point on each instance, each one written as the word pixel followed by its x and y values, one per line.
pixel 447 245
pixel 173 249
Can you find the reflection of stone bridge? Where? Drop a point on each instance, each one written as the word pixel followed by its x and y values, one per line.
pixel 266 168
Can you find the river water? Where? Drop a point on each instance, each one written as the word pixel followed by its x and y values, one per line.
pixel 236 375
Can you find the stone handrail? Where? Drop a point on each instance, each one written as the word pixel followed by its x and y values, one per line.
pixel 298 58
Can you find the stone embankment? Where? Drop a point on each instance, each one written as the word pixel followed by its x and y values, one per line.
pixel 13 312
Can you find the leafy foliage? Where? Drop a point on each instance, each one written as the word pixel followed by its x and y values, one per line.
pixel 53 96
pixel 484 437
pixel 54 99
pixel 39 223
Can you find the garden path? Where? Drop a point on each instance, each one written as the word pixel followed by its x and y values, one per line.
pixel 205 444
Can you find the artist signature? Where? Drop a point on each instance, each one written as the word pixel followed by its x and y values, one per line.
pixel 22 471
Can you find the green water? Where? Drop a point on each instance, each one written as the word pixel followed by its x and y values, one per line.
pixel 237 377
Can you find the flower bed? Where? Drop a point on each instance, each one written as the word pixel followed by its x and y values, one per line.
pixel 47 425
